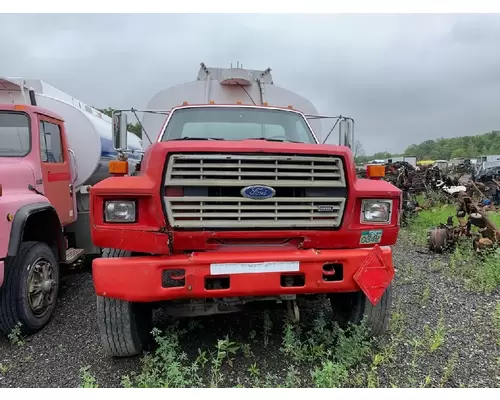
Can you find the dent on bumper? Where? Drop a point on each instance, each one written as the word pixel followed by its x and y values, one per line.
pixel 139 279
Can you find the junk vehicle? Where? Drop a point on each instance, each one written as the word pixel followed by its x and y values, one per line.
pixel 53 147
pixel 441 165
pixel 409 159
pixel 235 202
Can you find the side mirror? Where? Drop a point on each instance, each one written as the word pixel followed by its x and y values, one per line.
pixel 346 133
pixel 119 131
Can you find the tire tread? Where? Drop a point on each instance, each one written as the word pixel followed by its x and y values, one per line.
pixel 117 321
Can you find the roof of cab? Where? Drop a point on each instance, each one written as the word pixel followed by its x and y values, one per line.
pixel 30 110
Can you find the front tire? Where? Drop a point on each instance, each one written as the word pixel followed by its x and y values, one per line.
pixel 352 308
pixel 124 326
pixel 28 296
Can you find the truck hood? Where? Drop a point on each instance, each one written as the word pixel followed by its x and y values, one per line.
pixel 15 174
pixel 251 146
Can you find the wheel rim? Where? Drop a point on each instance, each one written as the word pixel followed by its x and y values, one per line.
pixel 41 287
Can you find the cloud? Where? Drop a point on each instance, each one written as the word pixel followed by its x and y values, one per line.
pixel 403 78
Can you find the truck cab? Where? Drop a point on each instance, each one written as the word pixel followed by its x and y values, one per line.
pixel 236 204
pixel 53 147
pixel 36 201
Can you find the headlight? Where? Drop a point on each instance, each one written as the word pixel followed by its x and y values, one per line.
pixel 378 211
pixel 119 211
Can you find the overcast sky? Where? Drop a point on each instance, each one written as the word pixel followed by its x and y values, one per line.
pixel 403 78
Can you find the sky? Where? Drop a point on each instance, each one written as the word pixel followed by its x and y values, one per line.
pixel 403 78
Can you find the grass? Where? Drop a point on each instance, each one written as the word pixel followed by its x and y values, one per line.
pixel 318 355
pixel 329 354
pixel 496 323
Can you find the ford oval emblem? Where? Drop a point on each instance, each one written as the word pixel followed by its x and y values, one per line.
pixel 258 192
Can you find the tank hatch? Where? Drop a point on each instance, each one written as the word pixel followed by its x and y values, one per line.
pixel 234 76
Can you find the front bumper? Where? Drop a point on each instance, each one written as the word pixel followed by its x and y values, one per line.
pixel 139 279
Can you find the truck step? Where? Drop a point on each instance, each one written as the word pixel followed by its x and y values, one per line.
pixel 73 254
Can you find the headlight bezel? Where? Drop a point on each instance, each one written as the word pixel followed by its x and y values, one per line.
pixel 131 202
pixel 364 203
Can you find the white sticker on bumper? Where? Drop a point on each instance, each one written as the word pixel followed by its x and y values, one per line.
pixel 254 268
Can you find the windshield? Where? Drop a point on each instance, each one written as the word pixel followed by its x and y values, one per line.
pixel 14 134
pixel 237 123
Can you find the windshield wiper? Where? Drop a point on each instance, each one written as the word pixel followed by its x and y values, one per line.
pixel 194 138
pixel 274 140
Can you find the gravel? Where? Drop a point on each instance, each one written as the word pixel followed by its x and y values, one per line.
pixel 426 299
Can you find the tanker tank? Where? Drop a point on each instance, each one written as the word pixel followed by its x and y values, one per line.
pixel 87 129
pixel 225 86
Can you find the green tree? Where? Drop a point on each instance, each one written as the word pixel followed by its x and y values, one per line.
pixel 133 128
pixel 464 146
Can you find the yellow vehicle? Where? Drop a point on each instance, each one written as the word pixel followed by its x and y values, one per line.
pixel 425 162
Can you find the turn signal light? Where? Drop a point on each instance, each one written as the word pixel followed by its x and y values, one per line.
pixel 375 171
pixel 117 167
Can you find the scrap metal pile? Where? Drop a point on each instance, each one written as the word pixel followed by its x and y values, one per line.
pixel 469 213
pixel 487 183
pixel 464 168
pixel 424 179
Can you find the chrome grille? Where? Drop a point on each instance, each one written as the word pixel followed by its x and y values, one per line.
pixel 238 171
pixel 244 170
pixel 190 212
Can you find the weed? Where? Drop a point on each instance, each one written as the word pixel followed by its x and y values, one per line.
pixel 416 344
pixel 426 294
pixel 496 322
pixel 448 370
pixel 87 379
pixel 436 266
pixel 224 349
pixel 292 379
pixel 268 326
pixel 435 338
pixel 247 350
pixel 427 381
pixel 167 367
pixel 254 372
pixel 329 375
pixel 15 337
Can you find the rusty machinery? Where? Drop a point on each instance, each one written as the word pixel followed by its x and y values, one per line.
pixel 469 213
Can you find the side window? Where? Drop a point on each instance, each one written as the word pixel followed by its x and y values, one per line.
pixel 51 143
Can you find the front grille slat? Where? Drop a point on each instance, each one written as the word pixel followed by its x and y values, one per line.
pixel 276 170
pixel 276 174
pixel 236 166
pixel 207 207
pixel 283 172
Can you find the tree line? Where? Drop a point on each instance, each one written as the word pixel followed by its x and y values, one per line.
pixel 446 149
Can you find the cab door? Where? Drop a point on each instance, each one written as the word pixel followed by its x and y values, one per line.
pixel 56 168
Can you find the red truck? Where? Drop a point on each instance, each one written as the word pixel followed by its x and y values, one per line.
pixel 235 203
